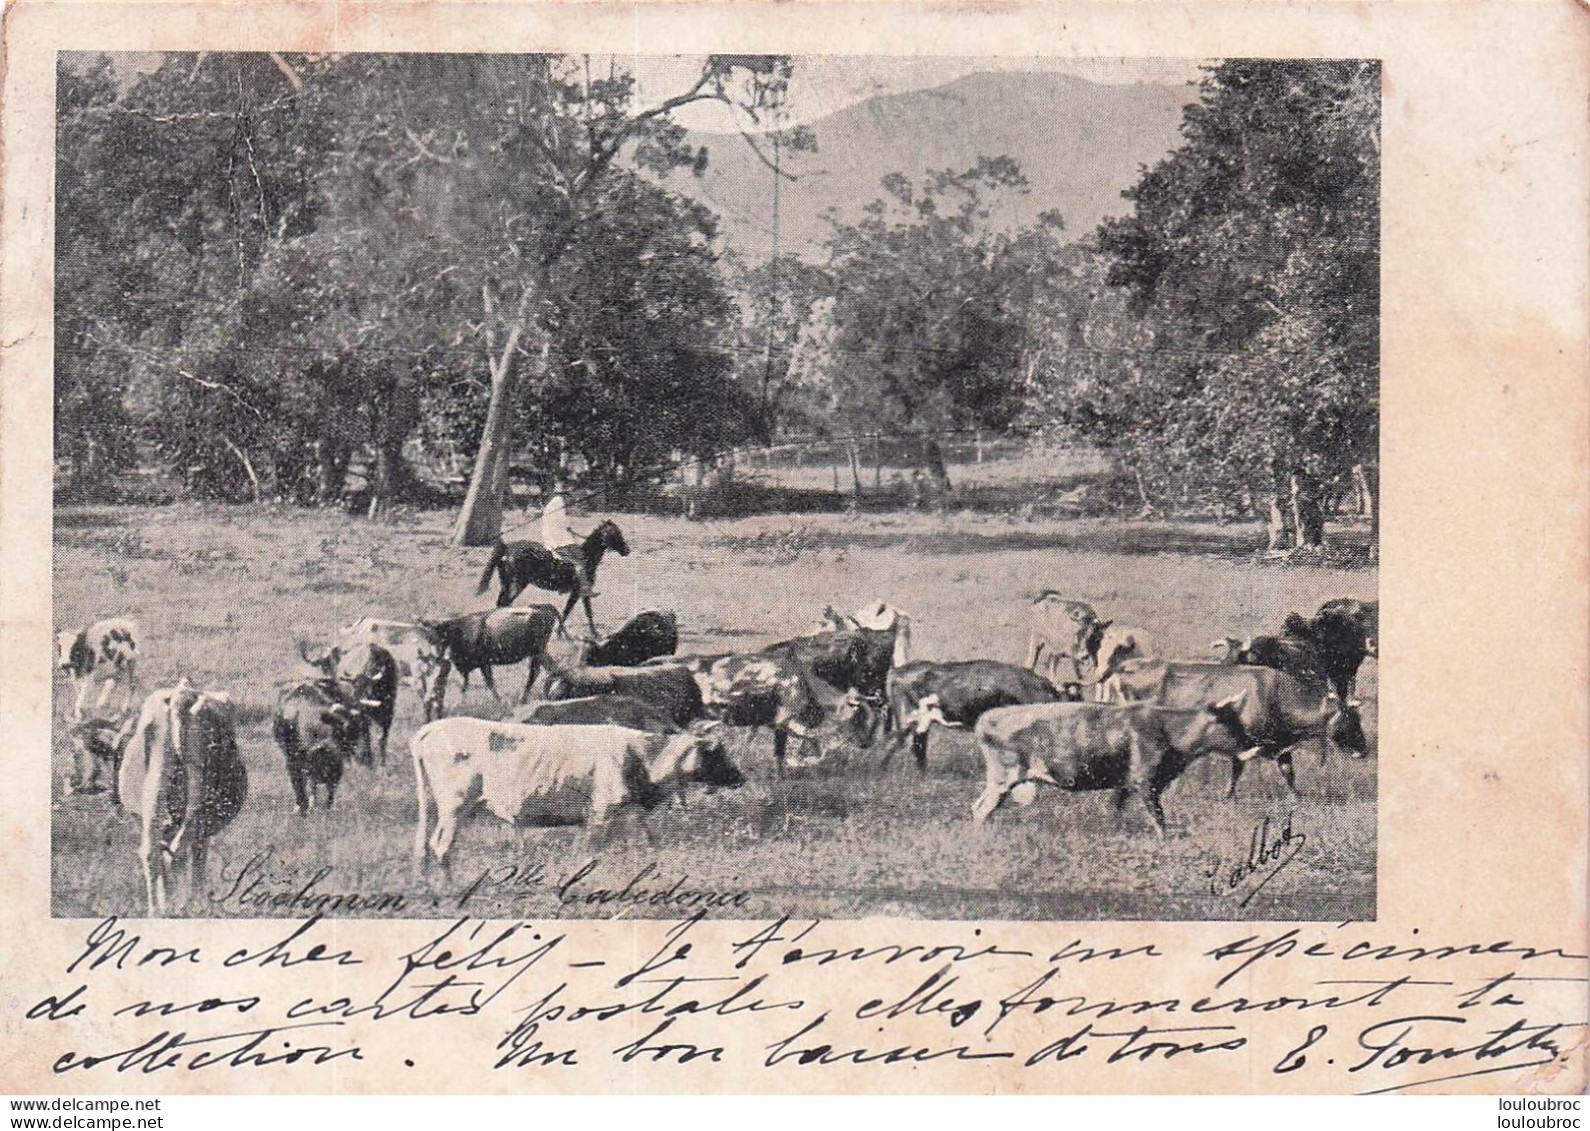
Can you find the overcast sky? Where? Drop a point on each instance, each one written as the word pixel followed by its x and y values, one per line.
pixel 826 83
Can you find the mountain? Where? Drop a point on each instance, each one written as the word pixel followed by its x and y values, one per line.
pixel 1079 143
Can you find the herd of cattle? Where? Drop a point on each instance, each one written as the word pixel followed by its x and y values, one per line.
pixel 625 721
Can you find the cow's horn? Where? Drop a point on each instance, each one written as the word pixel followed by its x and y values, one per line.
pixel 1355 703
pixel 1250 754
pixel 369 702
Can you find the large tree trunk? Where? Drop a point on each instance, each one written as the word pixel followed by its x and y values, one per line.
pixel 932 457
pixel 1308 518
pixel 393 480
pixel 1280 529
pixel 1367 479
pixel 480 521
pixel 331 468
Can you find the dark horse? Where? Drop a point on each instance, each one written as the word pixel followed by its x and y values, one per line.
pixel 520 565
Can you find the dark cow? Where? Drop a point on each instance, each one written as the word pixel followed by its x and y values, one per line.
pixel 482 641
pixel 858 659
pixel 598 710
pixel 1344 632
pixel 420 654
pixel 318 728
pixel 671 688
pixel 368 674
pixel 1332 646
pixel 1279 710
pixel 956 695
pixel 771 690
pixel 647 635
pixel 181 776
pixel 1125 748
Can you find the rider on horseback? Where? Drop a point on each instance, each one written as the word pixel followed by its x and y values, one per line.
pixel 562 541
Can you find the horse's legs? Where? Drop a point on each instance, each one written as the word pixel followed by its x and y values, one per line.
pixel 535 670
pixel 491 683
pixel 567 609
pixel 590 619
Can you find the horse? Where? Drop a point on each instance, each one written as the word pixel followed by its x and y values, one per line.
pixel 519 565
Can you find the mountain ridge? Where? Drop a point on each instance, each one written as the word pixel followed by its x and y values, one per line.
pixel 1079 143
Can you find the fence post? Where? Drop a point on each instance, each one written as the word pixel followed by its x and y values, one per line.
pixel 877 462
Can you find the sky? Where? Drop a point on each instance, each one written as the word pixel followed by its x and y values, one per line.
pixel 824 84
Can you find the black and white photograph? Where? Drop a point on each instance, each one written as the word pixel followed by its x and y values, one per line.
pixel 639 486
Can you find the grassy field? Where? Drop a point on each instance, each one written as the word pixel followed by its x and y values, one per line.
pixel 222 594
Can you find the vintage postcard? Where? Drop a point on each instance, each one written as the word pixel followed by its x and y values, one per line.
pixel 795 548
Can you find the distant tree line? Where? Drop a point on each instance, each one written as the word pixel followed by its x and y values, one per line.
pixel 270 267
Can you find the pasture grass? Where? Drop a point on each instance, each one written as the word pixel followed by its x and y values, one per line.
pixel 223 593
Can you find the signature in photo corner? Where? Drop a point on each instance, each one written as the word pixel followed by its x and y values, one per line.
pixel 1271 847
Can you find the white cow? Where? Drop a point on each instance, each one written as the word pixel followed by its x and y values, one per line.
pixel 104 653
pixel 1119 643
pixel 182 777
pixel 550 775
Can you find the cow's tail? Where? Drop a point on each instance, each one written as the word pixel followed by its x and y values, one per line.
pixel 498 548
pixel 422 793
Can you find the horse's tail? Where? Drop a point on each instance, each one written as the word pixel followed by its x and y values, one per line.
pixel 497 550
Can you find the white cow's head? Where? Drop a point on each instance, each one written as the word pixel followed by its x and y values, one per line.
pixel 65 644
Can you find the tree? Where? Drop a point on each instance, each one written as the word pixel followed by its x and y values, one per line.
pixel 930 307
pixel 1253 253
pixel 173 190
pixel 783 303
pixel 640 362
pixel 563 151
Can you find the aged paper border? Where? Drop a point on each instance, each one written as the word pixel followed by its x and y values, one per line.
pixel 1486 253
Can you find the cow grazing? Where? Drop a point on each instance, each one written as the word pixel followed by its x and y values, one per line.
pixel 772 690
pixel 1118 643
pixel 1061 634
pixel 1279 710
pixel 319 728
pixel 98 743
pixel 956 695
pixel 598 710
pixel 550 775
pixel 671 688
pixel 420 654
pixel 182 777
pixel 1125 748
pixel 104 654
pixel 647 635
pixel 496 638
pixel 368 676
